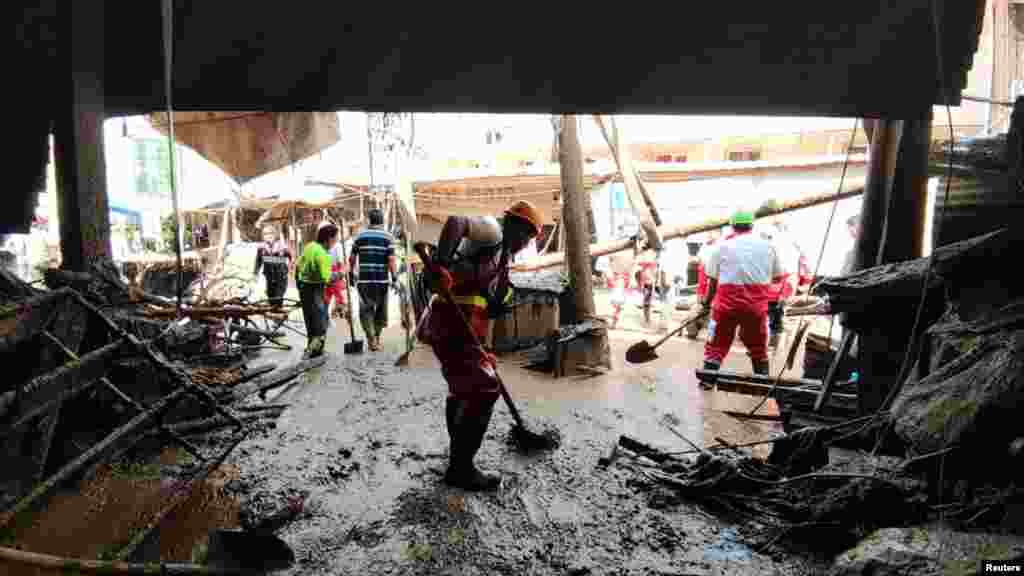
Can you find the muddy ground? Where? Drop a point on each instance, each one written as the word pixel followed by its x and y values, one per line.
pixel 368 442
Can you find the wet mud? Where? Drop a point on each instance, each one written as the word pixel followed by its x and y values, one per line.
pixel 365 443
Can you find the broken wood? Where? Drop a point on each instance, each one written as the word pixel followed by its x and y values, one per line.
pixel 44 489
pixel 159 361
pixel 798 396
pixel 81 566
pixel 183 491
pixel 670 231
pixel 211 313
pixel 275 379
pixel 202 425
pixel 641 449
pixel 40 393
pixel 833 371
pixel 253 373
pixel 712 375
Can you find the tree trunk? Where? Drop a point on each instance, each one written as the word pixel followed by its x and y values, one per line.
pixel 577 241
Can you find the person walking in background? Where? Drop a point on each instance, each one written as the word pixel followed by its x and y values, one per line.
pixel 312 275
pixel 741 273
pixel 374 251
pixel 335 295
pixel 777 233
pixel 275 259
pixel 693 331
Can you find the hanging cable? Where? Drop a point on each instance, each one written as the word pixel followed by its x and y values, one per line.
pixel 168 21
pixel 817 265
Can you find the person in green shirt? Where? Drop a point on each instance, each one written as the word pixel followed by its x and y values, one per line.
pixel 312 275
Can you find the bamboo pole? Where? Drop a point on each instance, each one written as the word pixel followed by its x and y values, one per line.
pixel 670 231
pixel 90 455
pixel 80 566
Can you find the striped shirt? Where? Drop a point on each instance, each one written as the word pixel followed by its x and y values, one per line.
pixel 374 247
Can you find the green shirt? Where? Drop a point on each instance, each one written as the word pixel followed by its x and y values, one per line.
pixel 314 265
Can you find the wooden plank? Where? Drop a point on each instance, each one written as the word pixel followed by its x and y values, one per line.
pixel 786 395
pixel 639 199
pixel 833 371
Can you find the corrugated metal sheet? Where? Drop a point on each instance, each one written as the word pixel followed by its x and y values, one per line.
pixel 977 204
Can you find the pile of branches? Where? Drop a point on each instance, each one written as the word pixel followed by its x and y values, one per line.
pixel 94 377
pixel 801 495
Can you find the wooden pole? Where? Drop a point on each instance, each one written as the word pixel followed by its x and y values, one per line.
pixel 878 366
pixel 670 231
pixel 910 192
pixel 577 237
pixel 82 207
pixel 643 205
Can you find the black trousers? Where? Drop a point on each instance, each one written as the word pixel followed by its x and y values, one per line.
pixel 373 307
pixel 776 312
pixel 314 310
pixel 277 285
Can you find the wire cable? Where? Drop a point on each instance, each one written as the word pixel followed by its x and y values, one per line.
pixel 821 256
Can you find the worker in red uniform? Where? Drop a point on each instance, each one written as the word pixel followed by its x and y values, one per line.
pixel 702 281
pixel 471 263
pixel 741 273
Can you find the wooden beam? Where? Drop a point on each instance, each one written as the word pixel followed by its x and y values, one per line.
pixel 909 192
pixel 78 137
pixel 643 205
pixel 670 231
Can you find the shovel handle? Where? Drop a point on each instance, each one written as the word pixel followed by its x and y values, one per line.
pixel 421 251
pixel 681 327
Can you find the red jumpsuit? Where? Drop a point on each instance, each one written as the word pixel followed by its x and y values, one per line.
pixel 746 267
pixel 469 372
pixel 336 290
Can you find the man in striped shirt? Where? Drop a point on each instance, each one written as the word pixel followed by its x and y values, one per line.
pixel 374 251
pixel 741 274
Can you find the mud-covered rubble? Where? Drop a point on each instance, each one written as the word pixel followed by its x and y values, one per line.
pixel 366 445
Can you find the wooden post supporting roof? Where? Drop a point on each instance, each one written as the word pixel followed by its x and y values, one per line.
pixel 910 192
pixel 78 135
pixel 577 241
pixel 880 345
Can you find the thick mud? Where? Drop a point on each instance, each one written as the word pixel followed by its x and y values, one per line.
pixel 366 442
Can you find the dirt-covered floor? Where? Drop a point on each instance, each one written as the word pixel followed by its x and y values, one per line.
pixel 367 442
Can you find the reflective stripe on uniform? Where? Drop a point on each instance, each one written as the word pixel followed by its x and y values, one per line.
pixel 478 301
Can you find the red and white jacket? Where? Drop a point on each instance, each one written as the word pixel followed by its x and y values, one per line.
pixel 748 269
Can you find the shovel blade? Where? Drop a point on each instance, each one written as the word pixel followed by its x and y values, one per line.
pixel 640 352
pixel 354 347
pixel 250 552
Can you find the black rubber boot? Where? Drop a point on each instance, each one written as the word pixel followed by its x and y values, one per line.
pixel 763 367
pixel 709 383
pixel 469 424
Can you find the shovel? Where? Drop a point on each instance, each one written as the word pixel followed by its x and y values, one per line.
pixel 643 352
pixel 523 438
pixel 256 549
pixel 354 346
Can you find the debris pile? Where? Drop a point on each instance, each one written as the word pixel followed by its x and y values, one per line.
pixel 100 371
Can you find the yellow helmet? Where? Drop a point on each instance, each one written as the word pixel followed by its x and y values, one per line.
pixel 527 211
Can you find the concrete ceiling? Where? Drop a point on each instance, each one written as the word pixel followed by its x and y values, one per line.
pixel 864 58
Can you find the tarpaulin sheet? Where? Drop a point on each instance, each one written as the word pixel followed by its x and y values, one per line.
pixel 246 145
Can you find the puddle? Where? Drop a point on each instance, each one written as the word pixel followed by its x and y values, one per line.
pixel 728 548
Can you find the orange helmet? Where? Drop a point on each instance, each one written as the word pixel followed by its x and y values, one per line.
pixel 527 211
